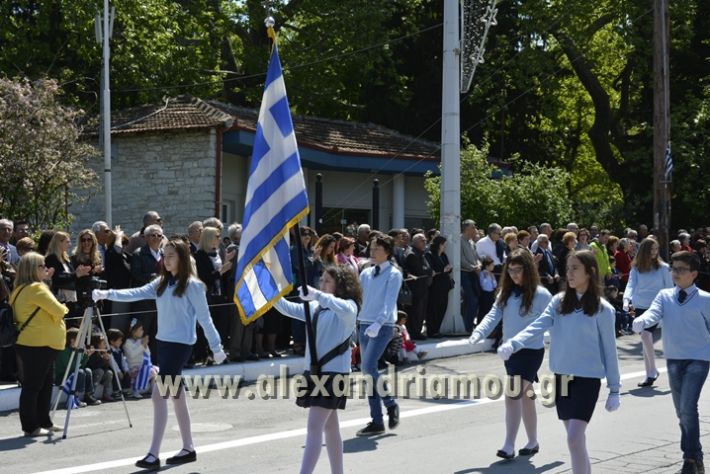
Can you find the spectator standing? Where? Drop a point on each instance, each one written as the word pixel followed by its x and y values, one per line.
pixel 418 267
pixel 470 268
pixel 40 319
pixel 441 284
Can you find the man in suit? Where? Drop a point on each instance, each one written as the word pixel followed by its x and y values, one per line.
pixel 194 232
pixel 146 264
pixel 546 267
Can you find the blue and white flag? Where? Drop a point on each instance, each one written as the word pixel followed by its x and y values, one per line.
pixel 67 389
pixel 276 200
pixel 143 378
pixel 668 163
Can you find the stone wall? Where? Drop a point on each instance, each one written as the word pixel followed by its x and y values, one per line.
pixel 169 172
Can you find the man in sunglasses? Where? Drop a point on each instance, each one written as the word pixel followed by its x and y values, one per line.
pixel 138 239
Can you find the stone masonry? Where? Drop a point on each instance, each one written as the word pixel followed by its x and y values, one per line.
pixel 169 172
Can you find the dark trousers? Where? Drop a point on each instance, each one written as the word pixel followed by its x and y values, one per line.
pixel 36 371
pixel 471 288
pixel 417 311
pixel 8 364
pixel 438 302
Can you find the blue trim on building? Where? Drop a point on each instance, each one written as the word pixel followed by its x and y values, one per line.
pixel 241 142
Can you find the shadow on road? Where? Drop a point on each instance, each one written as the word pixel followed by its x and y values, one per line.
pixel 517 466
pixel 359 445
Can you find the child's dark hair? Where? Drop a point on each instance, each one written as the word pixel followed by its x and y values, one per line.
pixel 401 316
pixel 96 339
pixel 689 258
pixel 485 261
pixel 72 334
pixel 114 335
pixel 610 290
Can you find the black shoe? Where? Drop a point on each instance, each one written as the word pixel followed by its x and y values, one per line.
pixel 182 457
pixel 502 454
pixel 529 451
pixel 371 429
pixel 153 465
pixel 91 401
pixel 692 466
pixel 648 382
pixel 393 415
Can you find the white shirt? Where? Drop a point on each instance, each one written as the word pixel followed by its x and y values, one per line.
pixel 486 246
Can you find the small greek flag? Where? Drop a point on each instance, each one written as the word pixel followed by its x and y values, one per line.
pixel 143 378
pixel 668 163
pixel 276 200
pixel 67 389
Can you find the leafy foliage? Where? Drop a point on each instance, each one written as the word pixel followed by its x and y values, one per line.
pixel 533 194
pixel 43 163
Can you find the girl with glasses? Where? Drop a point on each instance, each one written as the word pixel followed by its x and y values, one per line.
pixel 521 299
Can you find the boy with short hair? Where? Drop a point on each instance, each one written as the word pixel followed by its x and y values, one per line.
pixel 685 311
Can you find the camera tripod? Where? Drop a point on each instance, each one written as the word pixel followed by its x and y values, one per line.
pixel 83 340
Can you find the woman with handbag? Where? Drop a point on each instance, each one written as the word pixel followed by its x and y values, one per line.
pixel 42 334
pixel 334 308
pixel 441 284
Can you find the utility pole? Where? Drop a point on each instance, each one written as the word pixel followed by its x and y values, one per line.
pixel 661 125
pixel 451 163
pixel 104 31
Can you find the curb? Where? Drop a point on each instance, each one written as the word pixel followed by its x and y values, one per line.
pixel 249 372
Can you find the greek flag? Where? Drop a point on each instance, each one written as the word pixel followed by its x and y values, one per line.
pixel 276 200
pixel 67 389
pixel 143 378
pixel 668 163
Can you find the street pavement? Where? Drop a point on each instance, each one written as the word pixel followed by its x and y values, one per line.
pixel 435 436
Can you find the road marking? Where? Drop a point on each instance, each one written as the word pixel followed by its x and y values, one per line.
pixel 238 443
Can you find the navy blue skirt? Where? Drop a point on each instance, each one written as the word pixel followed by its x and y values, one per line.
pixel 332 399
pixel 525 363
pixel 579 401
pixel 172 357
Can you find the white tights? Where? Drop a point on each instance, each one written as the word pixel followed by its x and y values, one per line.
pixel 160 419
pixel 649 354
pixel 522 407
pixel 577 444
pixel 323 420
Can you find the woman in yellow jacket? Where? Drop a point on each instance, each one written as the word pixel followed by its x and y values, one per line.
pixel 39 342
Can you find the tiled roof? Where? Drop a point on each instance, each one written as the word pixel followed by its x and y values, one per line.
pixel 338 136
pixel 333 136
pixel 182 112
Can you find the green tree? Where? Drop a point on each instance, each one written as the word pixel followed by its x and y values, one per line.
pixel 43 163
pixel 533 194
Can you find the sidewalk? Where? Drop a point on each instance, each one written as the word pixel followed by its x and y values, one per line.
pixel 249 371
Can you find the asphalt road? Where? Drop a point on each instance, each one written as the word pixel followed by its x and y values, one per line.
pixel 435 436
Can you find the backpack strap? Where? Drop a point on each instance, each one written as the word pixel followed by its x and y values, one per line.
pixel 34 313
pixel 336 351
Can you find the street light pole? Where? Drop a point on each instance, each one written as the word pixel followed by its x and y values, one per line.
pixel 661 126
pixel 103 34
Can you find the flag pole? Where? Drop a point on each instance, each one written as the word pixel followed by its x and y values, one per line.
pixel 314 369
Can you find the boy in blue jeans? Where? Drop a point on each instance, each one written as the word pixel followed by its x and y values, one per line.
pixel 685 311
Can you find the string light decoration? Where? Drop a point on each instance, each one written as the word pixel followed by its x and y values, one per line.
pixel 477 17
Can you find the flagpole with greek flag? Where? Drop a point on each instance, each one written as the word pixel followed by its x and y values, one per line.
pixel 668 164
pixel 276 200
